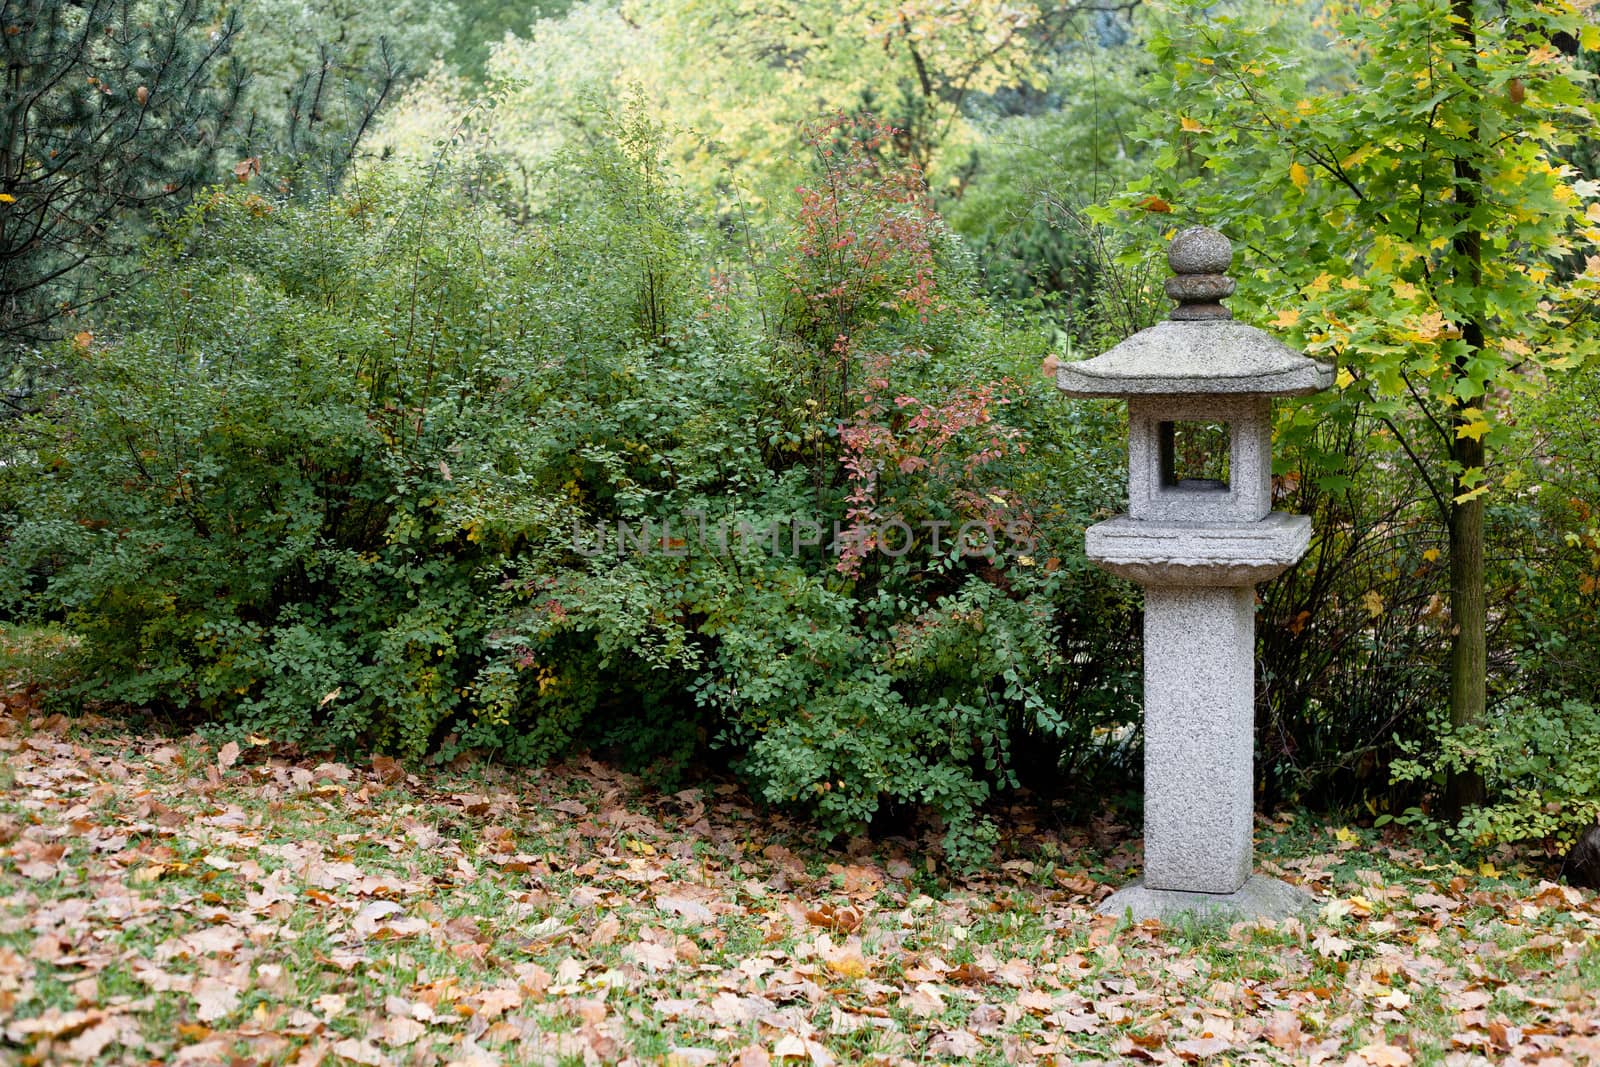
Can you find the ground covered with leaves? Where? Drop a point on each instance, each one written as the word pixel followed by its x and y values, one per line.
pixel 170 901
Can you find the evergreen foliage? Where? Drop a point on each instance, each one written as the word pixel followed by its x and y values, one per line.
pixel 112 111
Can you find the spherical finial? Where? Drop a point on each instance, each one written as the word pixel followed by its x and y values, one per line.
pixel 1199 256
pixel 1200 250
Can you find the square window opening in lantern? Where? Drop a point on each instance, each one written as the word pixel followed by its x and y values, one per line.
pixel 1195 454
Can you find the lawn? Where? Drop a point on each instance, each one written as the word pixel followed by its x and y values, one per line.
pixel 172 901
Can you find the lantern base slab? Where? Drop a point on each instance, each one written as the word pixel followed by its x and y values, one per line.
pixel 1259 898
pixel 1198 553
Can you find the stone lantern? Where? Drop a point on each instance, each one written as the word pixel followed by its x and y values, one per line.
pixel 1199 534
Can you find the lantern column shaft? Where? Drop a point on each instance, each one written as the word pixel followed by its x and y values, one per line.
pixel 1199 722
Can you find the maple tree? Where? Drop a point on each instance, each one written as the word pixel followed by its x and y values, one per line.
pixel 1407 210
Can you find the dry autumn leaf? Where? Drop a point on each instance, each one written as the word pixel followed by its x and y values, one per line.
pixel 839 920
pixel 1381 1055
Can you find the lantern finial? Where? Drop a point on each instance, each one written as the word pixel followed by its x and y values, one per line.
pixel 1199 257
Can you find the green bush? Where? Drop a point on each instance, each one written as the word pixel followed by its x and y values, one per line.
pixel 841 681
pixel 339 478
pixel 244 504
pixel 1539 754
pixel 1540 760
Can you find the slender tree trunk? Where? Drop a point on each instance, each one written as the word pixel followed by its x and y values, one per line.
pixel 1469 652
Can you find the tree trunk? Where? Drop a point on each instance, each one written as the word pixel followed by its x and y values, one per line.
pixel 1469 653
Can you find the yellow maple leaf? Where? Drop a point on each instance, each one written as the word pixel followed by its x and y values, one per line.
pixel 1354 158
pixel 1344 378
pixel 1300 176
pixel 1373 602
pixel 1429 327
pixel 1346 836
pixel 848 965
pixel 1431 554
pixel 7 198
pixel 1384 1055
pixel 1286 317
pixel 1192 125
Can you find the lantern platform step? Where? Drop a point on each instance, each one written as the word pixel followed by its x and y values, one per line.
pixel 1259 898
pixel 1198 553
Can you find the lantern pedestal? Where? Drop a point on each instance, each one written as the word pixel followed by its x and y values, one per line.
pixel 1199 709
pixel 1199 730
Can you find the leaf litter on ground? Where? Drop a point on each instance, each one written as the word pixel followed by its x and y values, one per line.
pixel 170 902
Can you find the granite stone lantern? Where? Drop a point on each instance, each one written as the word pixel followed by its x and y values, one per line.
pixel 1199 534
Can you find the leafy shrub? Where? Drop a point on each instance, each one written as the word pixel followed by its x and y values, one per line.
pixel 1540 760
pixel 243 506
pixel 1352 640
pixel 357 473
pixel 845 676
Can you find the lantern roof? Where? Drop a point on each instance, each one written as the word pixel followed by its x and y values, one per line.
pixel 1201 349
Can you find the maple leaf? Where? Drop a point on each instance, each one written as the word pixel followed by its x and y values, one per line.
pixel 925 1001
pixel 792 1046
pixel 214 999
pixel 691 1057
pixel 650 955
pixel 388 770
pixel 399 1030
pixel 1202 1047
pixel 53 1023
pixel 1380 1055
pixel 689 909
pixel 957 1044
pixel 605 932
pixel 1330 944
pixel 359 1051
pixel 843 920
